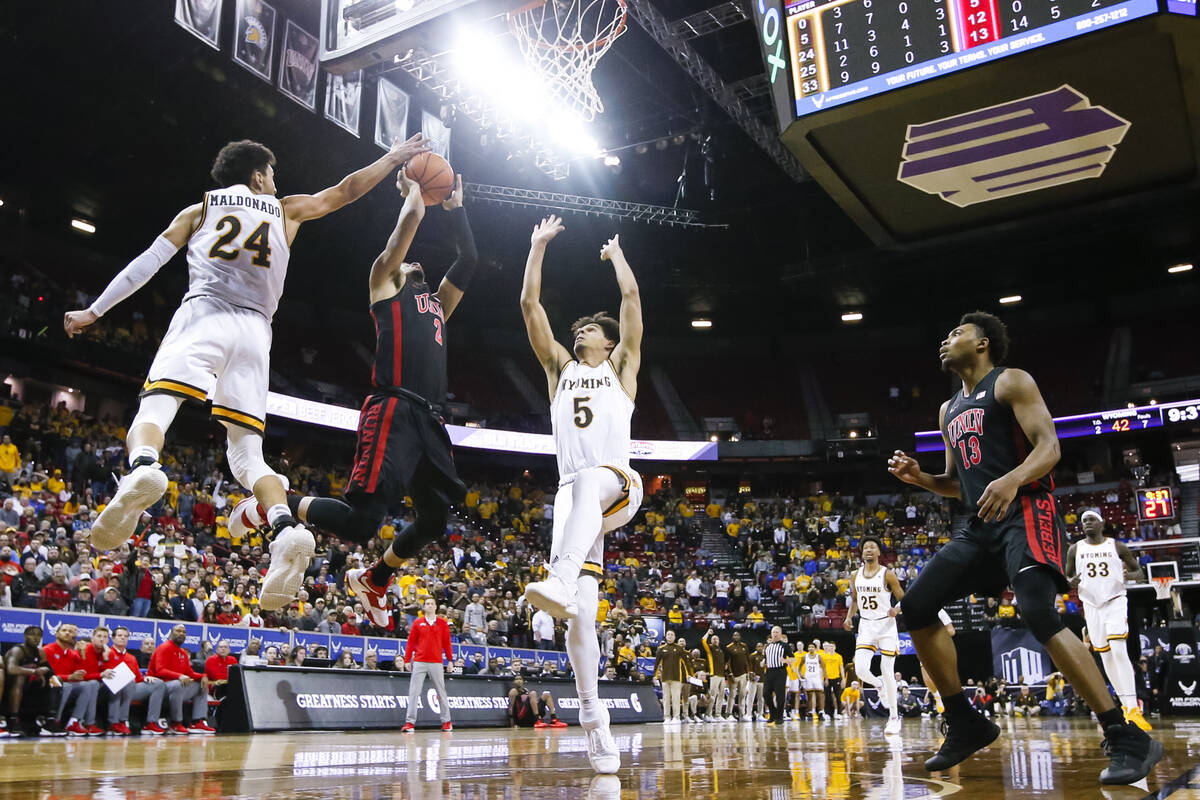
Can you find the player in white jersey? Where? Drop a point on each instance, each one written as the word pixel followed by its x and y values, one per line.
pixel 1100 566
pixel 872 588
pixel 813 680
pixel 591 402
pixel 217 348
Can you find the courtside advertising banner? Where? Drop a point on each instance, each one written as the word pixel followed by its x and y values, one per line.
pixel 294 698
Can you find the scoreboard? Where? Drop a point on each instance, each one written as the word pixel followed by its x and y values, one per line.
pixel 1098 423
pixel 1155 504
pixel 847 50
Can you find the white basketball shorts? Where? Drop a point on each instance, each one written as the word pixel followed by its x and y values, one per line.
pixel 879 635
pixel 1107 622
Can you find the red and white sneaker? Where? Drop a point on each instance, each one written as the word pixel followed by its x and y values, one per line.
pixel 557 723
pixel 153 729
pixel 201 728
pixel 374 599
pixel 118 729
pixel 446 726
pixel 408 728
pixel 248 515
pixel 539 724
pixel 177 729
pixel 94 730
pixel 75 729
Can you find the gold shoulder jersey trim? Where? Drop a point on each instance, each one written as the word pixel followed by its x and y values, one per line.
pixel 203 216
pixel 177 388
pixel 238 418
pixel 620 383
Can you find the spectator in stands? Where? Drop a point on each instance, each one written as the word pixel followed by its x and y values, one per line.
pixel 145 652
pixel 216 669
pixel 149 691
pixel 852 700
pixel 1025 704
pixel 251 656
pixel 345 660
pixel 56 594
pixel 370 660
pixel 79 689
pixel 111 604
pixel 172 664
pixel 27 675
pixel 543 630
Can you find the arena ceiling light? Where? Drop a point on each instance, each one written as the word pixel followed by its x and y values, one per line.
pixel 1008 300
pixel 1 203
pixel 852 316
pixel 702 323
pixel 1178 268
pixel 83 226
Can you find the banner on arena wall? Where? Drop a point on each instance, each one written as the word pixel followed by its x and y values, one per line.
pixel 86 623
pixel 310 641
pixel 15 621
pixel 343 99
pixel 468 651
pixel 1182 688
pixel 346 419
pixel 254 37
pixel 291 698
pixel 201 18
pixel 139 629
pixel 237 636
pixel 1018 658
pixel 656 628
pixel 1149 637
pixel 906 646
pixel 355 644
pixel 391 114
pixel 388 649
pixel 193 636
pixel 271 638
pixel 436 133
pixel 298 66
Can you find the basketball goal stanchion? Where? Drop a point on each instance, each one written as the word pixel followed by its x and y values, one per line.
pixel 563 40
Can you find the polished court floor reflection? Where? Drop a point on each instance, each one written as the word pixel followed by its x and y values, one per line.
pixel 1053 758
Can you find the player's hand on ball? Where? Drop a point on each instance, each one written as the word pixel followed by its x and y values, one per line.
pixel 402 151
pixel 75 321
pixel 455 200
pixel 904 467
pixel 611 249
pixel 996 498
pixel 406 184
pixel 546 230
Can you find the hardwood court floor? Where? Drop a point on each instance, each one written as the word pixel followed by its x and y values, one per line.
pixel 1056 758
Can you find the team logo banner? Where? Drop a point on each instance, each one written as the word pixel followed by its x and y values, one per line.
pixel 391 113
pixel 1026 145
pixel 1018 658
pixel 254 41
pixel 14 623
pixel 298 66
pixel 200 18
pixel 86 623
pixel 343 100
pixel 194 634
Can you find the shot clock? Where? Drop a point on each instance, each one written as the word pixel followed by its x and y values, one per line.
pixel 1155 504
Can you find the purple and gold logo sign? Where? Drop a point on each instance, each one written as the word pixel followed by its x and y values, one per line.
pixel 1022 146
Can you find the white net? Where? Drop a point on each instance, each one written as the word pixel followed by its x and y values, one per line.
pixel 563 40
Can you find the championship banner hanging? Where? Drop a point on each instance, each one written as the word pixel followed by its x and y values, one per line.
pixel 391 114
pixel 200 18
pixel 254 37
pixel 298 66
pixel 343 99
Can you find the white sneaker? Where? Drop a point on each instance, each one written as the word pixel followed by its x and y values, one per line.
pixel 373 599
pixel 893 727
pixel 604 787
pixel 602 750
pixel 291 551
pixel 136 492
pixel 554 596
pixel 246 516
pixel 744 718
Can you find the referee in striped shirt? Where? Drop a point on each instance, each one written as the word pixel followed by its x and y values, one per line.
pixel 775 683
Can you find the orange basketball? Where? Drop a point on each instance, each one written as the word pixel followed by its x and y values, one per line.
pixel 435 175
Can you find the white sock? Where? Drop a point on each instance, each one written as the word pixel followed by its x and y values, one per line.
pixel 276 511
pixel 143 451
pixel 583 649
pixel 889 682
pixel 1120 671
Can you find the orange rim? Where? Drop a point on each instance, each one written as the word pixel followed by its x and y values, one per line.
pixel 595 44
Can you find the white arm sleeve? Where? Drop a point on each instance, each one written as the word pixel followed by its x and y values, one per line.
pixel 134 276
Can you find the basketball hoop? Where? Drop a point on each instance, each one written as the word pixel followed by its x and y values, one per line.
pixel 1162 586
pixel 563 40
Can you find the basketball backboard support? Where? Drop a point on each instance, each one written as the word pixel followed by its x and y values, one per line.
pixel 361 33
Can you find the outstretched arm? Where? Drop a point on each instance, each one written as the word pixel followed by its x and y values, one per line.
pixel 627 357
pixel 458 277
pixel 907 469
pixel 139 271
pixel 300 208
pixel 387 264
pixel 550 353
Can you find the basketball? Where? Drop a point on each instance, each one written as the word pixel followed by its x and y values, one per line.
pixel 435 175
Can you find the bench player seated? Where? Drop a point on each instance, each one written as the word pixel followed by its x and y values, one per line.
pixel 528 709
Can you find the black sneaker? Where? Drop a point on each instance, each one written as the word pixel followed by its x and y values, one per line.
pixel 1131 754
pixel 963 738
pixel 52 727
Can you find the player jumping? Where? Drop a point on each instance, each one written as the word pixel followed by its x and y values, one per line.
pixel 591 402
pixel 1015 538
pixel 217 348
pixel 1100 567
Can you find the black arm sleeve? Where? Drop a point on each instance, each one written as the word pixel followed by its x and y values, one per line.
pixel 463 268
